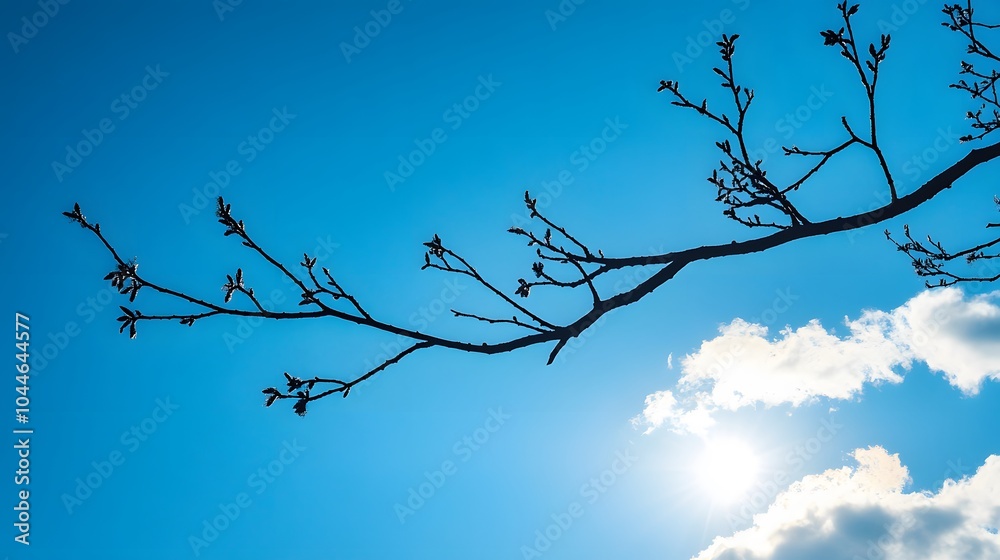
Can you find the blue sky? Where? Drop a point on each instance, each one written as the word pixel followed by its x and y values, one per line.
pixel 299 117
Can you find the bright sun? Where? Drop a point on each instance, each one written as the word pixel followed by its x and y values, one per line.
pixel 726 469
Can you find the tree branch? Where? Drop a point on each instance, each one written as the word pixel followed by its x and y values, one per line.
pixel 747 186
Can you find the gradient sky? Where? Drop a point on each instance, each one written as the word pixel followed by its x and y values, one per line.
pixel 201 79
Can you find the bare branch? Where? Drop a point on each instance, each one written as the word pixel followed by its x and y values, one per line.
pixel 984 85
pixel 513 321
pixel 742 186
pixel 932 260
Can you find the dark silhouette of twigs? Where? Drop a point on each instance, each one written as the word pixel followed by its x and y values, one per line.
pixel 566 261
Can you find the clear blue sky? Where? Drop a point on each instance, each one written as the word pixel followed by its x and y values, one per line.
pixel 136 111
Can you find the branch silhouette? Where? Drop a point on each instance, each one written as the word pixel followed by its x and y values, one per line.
pixel 931 259
pixel 565 261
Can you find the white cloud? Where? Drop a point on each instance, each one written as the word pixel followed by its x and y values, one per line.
pixel 662 407
pixel 863 513
pixel 743 367
pixel 957 336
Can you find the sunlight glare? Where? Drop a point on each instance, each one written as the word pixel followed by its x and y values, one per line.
pixel 727 469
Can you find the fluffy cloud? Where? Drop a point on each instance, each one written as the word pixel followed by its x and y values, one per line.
pixel 957 336
pixel 863 513
pixel 742 367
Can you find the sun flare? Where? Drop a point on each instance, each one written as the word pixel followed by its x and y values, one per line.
pixel 726 469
